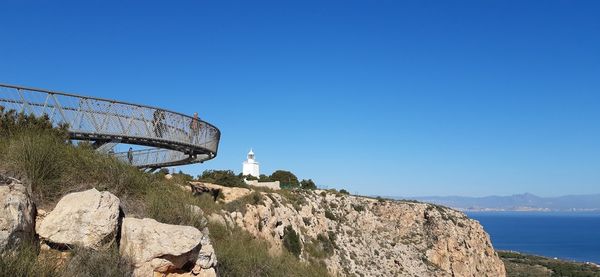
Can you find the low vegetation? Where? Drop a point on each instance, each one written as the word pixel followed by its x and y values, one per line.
pixel 358 208
pixel 239 205
pixel 42 157
pixel 222 177
pixel 527 265
pixel 240 254
pixel 28 261
pixel 291 241
pixel 24 262
pixel 330 215
pixel 320 248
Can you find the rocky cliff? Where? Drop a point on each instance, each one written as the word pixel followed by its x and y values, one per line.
pixel 358 236
pixel 348 235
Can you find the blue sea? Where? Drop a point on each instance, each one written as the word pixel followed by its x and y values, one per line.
pixel 570 235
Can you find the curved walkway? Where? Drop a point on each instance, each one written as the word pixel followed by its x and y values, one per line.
pixel 172 138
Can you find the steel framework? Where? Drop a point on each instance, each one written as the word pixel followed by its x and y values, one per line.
pixel 172 138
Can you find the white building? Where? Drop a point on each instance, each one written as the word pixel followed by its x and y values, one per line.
pixel 250 166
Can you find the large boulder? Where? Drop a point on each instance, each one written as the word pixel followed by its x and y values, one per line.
pixel 89 219
pixel 152 246
pixel 17 213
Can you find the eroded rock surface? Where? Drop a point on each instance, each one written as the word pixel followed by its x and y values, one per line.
pixel 17 213
pixel 89 219
pixel 157 247
pixel 358 236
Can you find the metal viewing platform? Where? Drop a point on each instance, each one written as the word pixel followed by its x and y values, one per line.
pixel 171 138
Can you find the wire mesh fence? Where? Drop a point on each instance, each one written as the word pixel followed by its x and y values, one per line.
pixel 175 138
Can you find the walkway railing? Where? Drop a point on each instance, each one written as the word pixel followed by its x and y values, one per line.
pixel 175 138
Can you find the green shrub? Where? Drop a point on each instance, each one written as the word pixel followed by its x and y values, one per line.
pixel 264 178
pixel 332 236
pixel 39 158
pixel 24 262
pixel 291 241
pixel 239 205
pixel 51 168
pixel 296 198
pixel 28 261
pixel 320 248
pixel 222 177
pixel 343 191
pixel 285 178
pixel 240 254
pixel 181 177
pixel 330 215
pixel 90 263
pixel 257 198
pixel 358 208
pixel 308 184
pixel 163 209
pixel 104 172
pixel 13 123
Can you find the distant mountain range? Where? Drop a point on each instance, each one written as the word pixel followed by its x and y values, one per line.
pixel 518 202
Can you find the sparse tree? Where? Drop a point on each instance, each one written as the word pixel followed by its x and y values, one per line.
pixel 286 178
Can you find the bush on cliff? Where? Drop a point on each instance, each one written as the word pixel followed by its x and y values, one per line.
pixel 291 241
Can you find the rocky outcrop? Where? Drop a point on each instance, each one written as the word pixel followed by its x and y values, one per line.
pixel 157 247
pixel 93 219
pixel 221 193
pixel 358 236
pixel 89 219
pixel 207 259
pixel 17 213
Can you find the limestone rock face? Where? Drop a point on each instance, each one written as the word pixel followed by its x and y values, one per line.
pixel 17 213
pixel 89 219
pixel 375 237
pixel 157 247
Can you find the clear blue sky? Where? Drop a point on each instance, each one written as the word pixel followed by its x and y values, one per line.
pixel 379 97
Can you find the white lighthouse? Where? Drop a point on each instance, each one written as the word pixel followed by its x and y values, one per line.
pixel 250 166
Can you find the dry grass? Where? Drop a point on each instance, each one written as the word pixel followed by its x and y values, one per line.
pixel 28 261
pixel 240 254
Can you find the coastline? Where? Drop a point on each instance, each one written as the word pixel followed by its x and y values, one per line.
pixel 520 264
pixel 590 263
